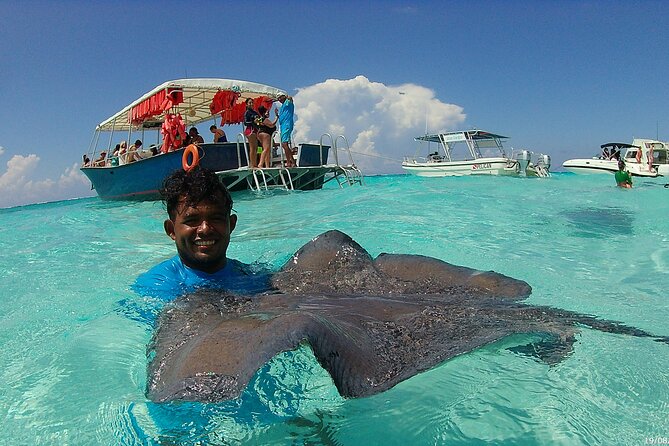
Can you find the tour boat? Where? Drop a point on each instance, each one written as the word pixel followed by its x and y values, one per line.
pixel 471 152
pixel 160 119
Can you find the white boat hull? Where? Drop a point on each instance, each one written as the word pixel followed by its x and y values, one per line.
pixel 597 166
pixel 591 166
pixel 481 166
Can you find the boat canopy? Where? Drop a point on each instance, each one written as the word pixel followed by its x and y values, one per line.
pixel 461 136
pixel 618 145
pixel 195 99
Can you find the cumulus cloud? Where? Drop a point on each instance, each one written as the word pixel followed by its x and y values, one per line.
pixel 18 185
pixel 379 121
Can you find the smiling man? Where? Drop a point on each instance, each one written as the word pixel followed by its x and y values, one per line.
pixel 200 223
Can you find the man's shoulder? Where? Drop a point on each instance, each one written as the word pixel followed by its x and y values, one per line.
pixel 171 278
pixel 161 280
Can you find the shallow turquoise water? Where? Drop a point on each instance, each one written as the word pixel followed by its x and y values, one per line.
pixel 73 365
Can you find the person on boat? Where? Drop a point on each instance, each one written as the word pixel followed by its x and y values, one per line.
pixel 623 178
pixel 200 223
pixel 86 161
pixel 112 159
pixel 286 121
pixel 251 132
pixel 195 137
pixel 266 128
pixel 122 153
pixel 133 152
pixel 100 162
pixel 219 134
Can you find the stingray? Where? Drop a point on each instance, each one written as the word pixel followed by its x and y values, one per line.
pixel 371 323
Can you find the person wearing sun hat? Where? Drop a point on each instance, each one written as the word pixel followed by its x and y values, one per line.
pixel 286 121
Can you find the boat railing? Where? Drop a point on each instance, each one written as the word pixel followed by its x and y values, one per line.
pixel 332 144
pixel 241 142
pixel 346 147
pixel 352 174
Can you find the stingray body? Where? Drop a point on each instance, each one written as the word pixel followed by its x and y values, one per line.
pixel 371 323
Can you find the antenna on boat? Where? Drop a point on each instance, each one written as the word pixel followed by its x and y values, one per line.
pixel 426 115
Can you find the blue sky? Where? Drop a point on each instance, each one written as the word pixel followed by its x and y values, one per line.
pixel 557 77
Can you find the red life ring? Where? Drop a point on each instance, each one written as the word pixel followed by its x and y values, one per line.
pixel 190 150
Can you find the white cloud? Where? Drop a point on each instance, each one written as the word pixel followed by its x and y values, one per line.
pixel 379 121
pixel 18 187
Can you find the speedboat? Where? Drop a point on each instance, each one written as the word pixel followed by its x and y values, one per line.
pixel 163 114
pixel 643 158
pixel 468 152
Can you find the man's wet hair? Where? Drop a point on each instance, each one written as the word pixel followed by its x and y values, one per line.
pixel 194 187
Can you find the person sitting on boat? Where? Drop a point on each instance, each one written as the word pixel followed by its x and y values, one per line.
pixel 122 153
pixel 86 161
pixel 195 137
pixel 112 159
pixel 623 178
pixel 200 223
pixel 133 152
pixel 265 129
pixel 219 134
pixel 100 162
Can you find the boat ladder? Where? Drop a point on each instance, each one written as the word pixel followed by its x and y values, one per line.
pixel 263 179
pixel 351 176
pixel 346 175
pixel 276 178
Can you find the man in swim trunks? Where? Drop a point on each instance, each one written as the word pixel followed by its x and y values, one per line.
pixel 286 122
pixel 623 178
pixel 200 223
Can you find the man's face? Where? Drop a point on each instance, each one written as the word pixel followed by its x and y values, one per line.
pixel 202 235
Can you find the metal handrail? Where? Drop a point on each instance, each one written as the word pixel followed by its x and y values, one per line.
pixel 246 152
pixel 331 145
pixel 348 148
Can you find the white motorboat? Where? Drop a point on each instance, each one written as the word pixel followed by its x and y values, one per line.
pixel 643 158
pixel 468 152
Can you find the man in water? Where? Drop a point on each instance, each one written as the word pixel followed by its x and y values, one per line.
pixel 286 122
pixel 200 223
pixel 623 178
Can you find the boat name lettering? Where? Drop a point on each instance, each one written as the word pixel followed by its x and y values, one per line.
pixel 481 166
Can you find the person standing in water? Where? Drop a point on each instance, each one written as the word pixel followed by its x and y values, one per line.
pixel 623 177
pixel 199 221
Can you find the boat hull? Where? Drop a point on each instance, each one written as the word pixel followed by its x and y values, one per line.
pixel 142 179
pixel 601 166
pixel 481 166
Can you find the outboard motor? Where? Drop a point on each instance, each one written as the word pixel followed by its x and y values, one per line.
pixel 523 158
pixel 545 161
